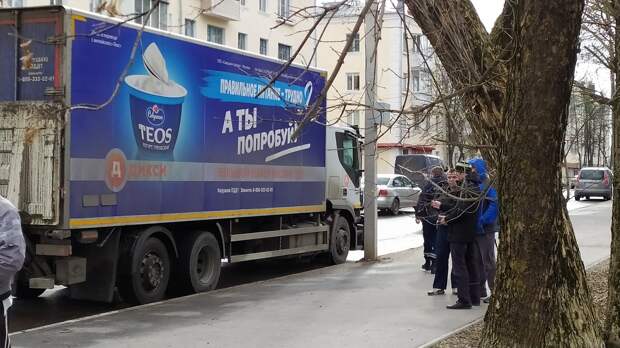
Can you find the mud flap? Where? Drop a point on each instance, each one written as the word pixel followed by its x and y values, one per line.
pixel 101 265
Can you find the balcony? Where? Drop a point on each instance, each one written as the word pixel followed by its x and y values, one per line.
pixel 229 10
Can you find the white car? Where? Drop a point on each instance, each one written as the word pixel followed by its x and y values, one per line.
pixel 395 191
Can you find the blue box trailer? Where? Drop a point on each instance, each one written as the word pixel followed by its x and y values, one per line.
pixel 130 146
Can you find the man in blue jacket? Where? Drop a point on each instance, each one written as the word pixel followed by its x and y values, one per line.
pixel 12 253
pixel 487 226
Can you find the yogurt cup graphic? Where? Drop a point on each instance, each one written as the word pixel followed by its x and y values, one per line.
pixel 156 106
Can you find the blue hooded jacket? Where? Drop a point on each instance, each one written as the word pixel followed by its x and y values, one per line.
pixel 487 219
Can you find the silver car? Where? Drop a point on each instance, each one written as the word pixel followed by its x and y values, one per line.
pixel 594 181
pixel 395 192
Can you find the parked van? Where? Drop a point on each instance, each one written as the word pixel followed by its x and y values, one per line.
pixel 416 167
pixel 594 181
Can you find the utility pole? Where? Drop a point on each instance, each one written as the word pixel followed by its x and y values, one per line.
pixel 371 25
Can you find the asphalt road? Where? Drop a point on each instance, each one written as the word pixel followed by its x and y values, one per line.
pixel 395 233
pixel 358 304
pixel 591 221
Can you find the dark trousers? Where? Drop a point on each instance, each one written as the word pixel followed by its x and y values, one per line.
pixel 429 232
pixel 4 326
pixel 442 248
pixel 487 266
pixel 465 262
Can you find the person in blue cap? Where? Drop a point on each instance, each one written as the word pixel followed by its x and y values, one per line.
pixel 487 227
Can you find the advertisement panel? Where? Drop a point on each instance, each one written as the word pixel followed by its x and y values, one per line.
pixel 186 137
pixel 30 60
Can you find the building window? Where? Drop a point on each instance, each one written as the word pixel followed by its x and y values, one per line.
pixel 284 52
pixel 262 5
pixel 159 16
pixel 416 42
pixel 353 118
pixel 355 45
pixel 415 80
pixel 263 47
pixel 215 34
pixel 189 27
pixel 242 40
pixel 353 81
pixel 283 8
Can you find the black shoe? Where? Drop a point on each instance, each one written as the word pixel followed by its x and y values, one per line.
pixel 476 304
pixel 426 266
pixel 436 292
pixel 459 305
pixel 487 300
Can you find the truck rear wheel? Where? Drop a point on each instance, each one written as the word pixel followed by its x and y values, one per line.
pixel 199 264
pixel 340 240
pixel 148 282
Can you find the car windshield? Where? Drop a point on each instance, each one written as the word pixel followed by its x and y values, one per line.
pixel 591 175
pixel 383 181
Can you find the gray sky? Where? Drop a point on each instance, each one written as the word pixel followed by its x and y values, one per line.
pixel 488 10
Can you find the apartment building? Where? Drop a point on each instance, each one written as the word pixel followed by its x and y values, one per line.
pixel 403 78
pixel 244 24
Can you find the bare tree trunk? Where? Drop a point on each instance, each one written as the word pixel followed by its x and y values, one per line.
pixel 612 324
pixel 541 296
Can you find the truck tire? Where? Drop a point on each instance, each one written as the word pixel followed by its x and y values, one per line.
pixel 149 282
pixel 199 264
pixel 340 240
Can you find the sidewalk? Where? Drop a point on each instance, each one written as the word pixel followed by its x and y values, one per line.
pixel 381 304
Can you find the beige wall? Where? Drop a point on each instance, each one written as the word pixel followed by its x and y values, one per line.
pixel 392 65
pixel 254 23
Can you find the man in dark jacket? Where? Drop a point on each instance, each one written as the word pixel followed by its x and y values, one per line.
pixel 459 211
pixel 12 253
pixel 425 213
pixel 487 226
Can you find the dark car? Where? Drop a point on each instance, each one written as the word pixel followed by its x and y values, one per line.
pixel 416 167
pixel 594 181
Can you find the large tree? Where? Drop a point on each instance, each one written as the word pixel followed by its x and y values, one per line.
pixel 522 72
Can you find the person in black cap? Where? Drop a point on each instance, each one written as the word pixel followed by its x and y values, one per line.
pixel 458 210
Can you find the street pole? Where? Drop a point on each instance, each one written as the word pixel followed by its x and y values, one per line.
pixel 370 137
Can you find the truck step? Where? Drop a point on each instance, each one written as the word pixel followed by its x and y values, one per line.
pixel 53 249
pixel 41 283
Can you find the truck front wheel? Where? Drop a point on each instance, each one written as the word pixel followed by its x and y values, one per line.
pixel 340 240
pixel 199 264
pixel 148 281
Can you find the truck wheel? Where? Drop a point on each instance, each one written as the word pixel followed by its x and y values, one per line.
pixel 199 264
pixel 21 290
pixel 149 281
pixel 577 198
pixel 340 240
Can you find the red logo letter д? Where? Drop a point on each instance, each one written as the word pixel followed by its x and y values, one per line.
pixel 115 170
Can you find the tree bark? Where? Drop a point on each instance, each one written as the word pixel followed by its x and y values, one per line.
pixel 612 324
pixel 541 296
pixel 541 273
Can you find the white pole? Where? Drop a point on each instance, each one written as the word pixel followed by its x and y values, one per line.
pixel 370 140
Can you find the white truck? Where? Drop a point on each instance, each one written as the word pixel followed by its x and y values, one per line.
pixel 140 160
